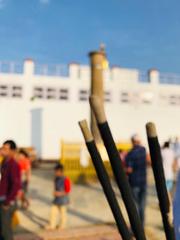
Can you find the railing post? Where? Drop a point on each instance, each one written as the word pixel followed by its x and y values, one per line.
pixel 74 70
pixel 28 67
pixel 153 76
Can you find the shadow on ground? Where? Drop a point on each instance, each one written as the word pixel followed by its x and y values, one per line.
pixel 41 222
pixel 85 217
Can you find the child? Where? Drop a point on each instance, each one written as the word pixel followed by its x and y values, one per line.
pixel 62 187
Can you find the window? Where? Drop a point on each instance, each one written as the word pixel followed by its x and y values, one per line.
pixel 17 88
pixel 63 94
pixel 16 95
pixel 16 91
pixel 83 95
pixel 146 101
pixel 107 97
pixel 124 97
pixel 4 89
pixel 38 89
pixel 51 93
pixel 3 94
pixel 173 100
pixel 38 92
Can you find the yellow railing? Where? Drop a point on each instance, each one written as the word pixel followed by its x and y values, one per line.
pixel 75 169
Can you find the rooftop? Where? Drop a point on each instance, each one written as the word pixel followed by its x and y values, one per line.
pixel 62 70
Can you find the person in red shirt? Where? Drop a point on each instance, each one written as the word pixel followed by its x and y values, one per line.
pixel 25 168
pixel 62 188
pixel 10 184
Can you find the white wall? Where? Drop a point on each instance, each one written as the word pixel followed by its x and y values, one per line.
pixel 58 119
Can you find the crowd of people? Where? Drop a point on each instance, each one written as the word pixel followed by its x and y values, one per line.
pixel 15 176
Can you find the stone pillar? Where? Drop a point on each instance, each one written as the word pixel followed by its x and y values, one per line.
pixel 153 76
pixel 97 59
pixel 28 67
pixel 74 70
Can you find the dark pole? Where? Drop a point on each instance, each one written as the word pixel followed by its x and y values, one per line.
pixel 116 163
pixel 104 180
pixel 164 202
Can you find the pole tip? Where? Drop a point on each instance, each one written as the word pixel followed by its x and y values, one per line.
pixel 151 129
pixel 85 131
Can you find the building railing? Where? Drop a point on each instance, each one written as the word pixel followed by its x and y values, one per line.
pixel 51 70
pixel 39 69
pixel 169 78
pixel 143 77
pixel 11 67
pixel 63 71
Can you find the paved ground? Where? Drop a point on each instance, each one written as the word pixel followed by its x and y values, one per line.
pixel 88 206
pixel 90 233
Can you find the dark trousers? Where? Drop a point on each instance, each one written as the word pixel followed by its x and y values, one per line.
pixel 139 194
pixel 6 215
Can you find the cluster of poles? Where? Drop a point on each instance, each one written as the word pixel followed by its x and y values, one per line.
pixel 97 108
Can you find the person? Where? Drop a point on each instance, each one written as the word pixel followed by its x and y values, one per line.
pixel 62 187
pixel 168 158
pixel 123 154
pixel 176 147
pixel 136 161
pixel 10 184
pixel 1 160
pixel 1 156
pixel 176 208
pixel 25 167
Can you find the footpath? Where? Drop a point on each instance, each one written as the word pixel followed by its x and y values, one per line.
pixel 89 216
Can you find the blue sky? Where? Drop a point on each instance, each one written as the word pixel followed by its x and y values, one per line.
pixel 137 33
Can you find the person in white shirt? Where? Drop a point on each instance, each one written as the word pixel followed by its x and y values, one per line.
pixel 168 158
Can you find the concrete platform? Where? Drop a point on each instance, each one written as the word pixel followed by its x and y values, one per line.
pixel 88 233
pixel 103 232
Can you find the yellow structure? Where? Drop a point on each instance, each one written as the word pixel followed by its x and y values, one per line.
pixel 77 171
pixel 1 159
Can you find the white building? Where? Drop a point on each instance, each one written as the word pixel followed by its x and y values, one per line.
pixel 40 105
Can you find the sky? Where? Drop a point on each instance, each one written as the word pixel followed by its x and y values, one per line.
pixel 137 33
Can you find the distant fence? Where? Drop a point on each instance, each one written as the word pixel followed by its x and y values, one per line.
pixel 63 71
pixel 78 170
pixel 40 69
pixel 164 78
pixel 170 78
pixel 51 70
pixel 143 77
pixel 11 67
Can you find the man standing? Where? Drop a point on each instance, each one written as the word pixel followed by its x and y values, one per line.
pixel 10 184
pixel 136 170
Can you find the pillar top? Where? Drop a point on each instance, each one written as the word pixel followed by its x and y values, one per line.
pixel 28 60
pixel 96 53
pixel 153 70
